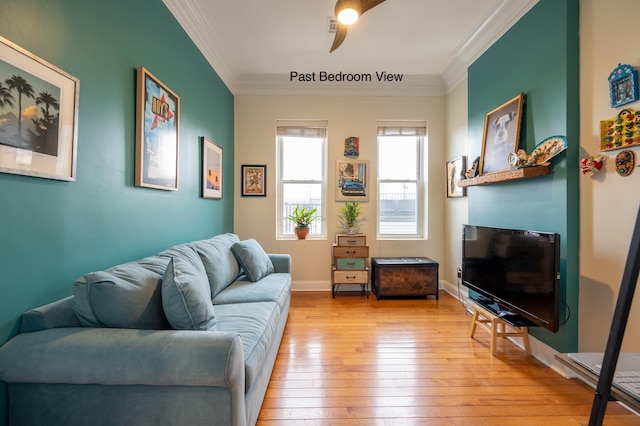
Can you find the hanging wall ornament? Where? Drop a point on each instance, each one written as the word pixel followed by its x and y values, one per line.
pixel 625 162
pixel 593 164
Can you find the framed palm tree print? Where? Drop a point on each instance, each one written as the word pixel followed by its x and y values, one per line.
pixel 38 116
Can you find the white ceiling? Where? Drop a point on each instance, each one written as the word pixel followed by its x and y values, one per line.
pixel 255 45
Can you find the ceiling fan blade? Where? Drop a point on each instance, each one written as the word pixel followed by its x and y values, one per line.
pixel 341 34
pixel 369 4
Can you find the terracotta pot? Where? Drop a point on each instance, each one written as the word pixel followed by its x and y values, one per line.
pixel 301 233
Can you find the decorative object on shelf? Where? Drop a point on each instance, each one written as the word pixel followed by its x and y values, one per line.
pixel 45 144
pixel 501 135
pixel 157 130
pixel 254 180
pixel 520 159
pixel 625 162
pixel 349 214
pixel 302 217
pixel 211 169
pixel 621 131
pixel 473 171
pixel 456 171
pixel 623 85
pixel 352 178
pixel 352 147
pixel 593 164
pixel 549 148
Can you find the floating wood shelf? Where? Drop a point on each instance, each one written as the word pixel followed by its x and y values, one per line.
pixel 507 175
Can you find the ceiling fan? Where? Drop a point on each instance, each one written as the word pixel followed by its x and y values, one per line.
pixel 347 12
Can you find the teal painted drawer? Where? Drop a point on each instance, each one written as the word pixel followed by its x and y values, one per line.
pixel 345 263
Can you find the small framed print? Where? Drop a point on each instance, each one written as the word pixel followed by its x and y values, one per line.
pixel 254 180
pixel 623 85
pixel 455 168
pixel 211 169
pixel 352 178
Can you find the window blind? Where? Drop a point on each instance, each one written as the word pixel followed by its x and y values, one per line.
pixel 302 129
pixel 402 128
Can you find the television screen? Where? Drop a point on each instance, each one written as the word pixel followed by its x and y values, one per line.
pixel 517 269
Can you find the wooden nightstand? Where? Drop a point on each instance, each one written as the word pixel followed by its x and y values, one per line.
pixel 350 262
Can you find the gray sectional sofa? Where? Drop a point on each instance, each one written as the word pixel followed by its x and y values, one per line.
pixel 188 336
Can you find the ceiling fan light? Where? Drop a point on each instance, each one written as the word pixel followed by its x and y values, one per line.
pixel 348 16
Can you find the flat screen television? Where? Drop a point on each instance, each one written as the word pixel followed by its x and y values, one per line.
pixel 517 270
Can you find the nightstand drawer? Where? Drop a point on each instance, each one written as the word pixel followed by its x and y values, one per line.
pixel 355 277
pixel 355 251
pixel 351 240
pixel 348 263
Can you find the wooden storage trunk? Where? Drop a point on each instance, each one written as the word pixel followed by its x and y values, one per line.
pixel 404 276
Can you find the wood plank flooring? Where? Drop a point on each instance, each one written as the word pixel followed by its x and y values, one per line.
pixel 357 361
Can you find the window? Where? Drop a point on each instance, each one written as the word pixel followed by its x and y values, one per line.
pixel 401 186
pixel 302 173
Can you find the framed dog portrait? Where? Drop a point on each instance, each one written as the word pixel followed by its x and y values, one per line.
pixel 501 135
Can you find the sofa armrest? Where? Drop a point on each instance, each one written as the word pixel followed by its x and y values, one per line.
pixel 281 262
pixel 112 356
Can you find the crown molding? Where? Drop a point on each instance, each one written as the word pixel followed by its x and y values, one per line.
pixel 502 16
pixel 190 18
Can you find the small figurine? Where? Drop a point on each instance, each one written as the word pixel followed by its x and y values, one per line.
pixel 592 164
pixel 473 171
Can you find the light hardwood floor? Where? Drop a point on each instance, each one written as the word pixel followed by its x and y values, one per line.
pixel 357 361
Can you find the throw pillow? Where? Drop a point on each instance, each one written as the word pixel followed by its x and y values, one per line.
pixel 253 259
pixel 186 295
pixel 124 296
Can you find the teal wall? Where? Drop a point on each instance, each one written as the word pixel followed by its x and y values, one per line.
pixel 52 231
pixel 540 57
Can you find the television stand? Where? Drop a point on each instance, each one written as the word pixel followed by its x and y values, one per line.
pixel 498 325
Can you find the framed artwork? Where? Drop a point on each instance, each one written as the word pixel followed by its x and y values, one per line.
pixel 211 169
pixel 157 130
pixel 623 85
pixel 352 179
pixel 352 147
pixel 501 135
pixel 38 116
pixel 254 181
pixel 455 169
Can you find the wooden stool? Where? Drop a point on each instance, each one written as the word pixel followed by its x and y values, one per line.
pixel 497 327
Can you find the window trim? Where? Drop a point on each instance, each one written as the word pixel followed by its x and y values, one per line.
pixel 406 129
pixel 319 129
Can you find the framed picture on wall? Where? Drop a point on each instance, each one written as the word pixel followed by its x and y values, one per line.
pixel 501 135
pixel 455 168
pixel 211 169
pixel 38 116
pixel 157 130
pixel 254 181
pixel 352 179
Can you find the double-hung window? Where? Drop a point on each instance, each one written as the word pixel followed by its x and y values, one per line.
pixel 401 179
pixel 302 173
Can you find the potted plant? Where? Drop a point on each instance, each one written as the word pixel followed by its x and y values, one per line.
pixel 302 217
pixel 349 215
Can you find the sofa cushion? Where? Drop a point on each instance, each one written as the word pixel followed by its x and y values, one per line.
pixel 272 288
pixel 221 266
pixel 186 296
pixel 253 259
pixel 257 324
pixel 124 296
